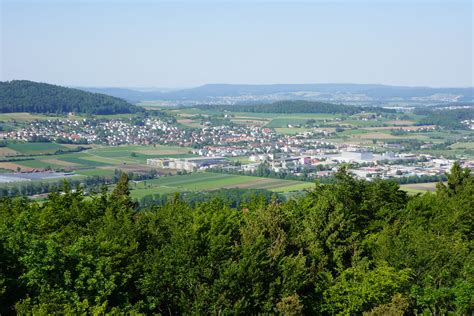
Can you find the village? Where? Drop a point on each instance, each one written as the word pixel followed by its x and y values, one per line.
pixel 242 148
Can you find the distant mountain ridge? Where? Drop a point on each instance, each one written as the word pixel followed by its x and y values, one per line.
pixel 237 93
pixel 36 97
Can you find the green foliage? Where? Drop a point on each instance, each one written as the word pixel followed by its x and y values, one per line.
pixel 296 107
pixel 233 197
pixel 121 192
pixel 447 118
pixel 358 288
pixel 351 247
pixel 34 97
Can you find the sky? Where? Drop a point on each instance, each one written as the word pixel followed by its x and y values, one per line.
pixel 118 43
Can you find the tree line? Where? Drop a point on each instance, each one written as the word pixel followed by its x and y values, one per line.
pixel 263 171
pixel 451 119
pixel 233 197
pixel 298 106
pixel 89 185
pixel 353 247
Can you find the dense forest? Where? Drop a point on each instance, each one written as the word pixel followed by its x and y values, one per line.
pixel 296 107
pixel 349 248
pixel 446 118
pixel 234 197
pixel 34 97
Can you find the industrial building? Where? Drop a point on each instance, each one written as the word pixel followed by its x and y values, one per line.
pixel 353 156
pixel 187 164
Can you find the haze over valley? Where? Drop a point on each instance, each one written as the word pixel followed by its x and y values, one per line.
pixel 364 94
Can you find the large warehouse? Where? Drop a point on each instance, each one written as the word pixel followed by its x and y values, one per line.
pixel 188 164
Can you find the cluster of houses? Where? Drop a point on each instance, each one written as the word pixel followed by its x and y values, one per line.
pixel 151 131
pixel 309 152
pixel 469 123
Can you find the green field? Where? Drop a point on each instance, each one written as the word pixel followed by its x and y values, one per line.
pixel 241 159
pixel 463 145
pixel 206 181
pixel 84 162
pixel 307 116
pixel 35 148
pixel 270 119
pixel 283 121
pixel 414 188
pixel 23 117
pixel 96 172
pixel 43 156
pixel 37 164
pixel 135 154
pixel 292 130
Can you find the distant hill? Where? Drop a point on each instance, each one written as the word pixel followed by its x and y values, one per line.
pixel 296 106
pixel 35 97
pixel 124 93
pixel 375 94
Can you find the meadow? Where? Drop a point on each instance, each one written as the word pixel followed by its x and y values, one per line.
pixel 24 148
pixel 415 188
pixel 92 161
pixel 207 181
pixel 24 117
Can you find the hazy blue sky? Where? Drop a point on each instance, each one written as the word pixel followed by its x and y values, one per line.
pixel 188 43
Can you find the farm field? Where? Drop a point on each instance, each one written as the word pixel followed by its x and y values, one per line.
pixel 41 156
pixel 274 120
pixel 272 116
pixel 25 148
pixel 7 152
pixel 292 130
pixel 96 172
pixel 24 117
pixel 419 187
pixel 190 123
pixel 278 120
pixel 206 181
pixel 241 159
pixel 463 145
pixel 287 122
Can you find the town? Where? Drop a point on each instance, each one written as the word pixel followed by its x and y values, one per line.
pixel 225 146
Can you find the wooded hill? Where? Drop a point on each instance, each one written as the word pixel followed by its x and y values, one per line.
pixel 296 107
pixel 349 248
pixel 35 97
pixel 447 118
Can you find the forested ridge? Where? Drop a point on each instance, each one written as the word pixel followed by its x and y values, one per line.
pixel 450 118
pixel 35 97
pixel 296 106
pixel 351 247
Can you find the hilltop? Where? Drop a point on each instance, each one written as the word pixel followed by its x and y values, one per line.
pixel 36 97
